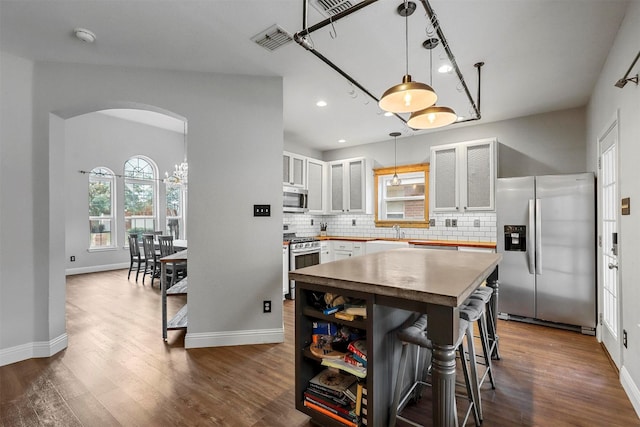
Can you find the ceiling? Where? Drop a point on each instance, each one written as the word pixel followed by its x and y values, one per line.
pixel 539 55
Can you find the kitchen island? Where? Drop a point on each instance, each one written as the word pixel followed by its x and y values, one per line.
pixel 393 284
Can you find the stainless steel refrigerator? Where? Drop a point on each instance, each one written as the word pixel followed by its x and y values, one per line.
pixel 546 235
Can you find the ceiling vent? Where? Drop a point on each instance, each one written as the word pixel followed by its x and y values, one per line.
pixel 333 7
pixel 272 38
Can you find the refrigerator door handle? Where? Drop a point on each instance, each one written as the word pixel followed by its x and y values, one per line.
pixel 531 226
pixel 538 238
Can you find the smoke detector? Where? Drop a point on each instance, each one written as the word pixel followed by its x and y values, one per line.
pixel 85 35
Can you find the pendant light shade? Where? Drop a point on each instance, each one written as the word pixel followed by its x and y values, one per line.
pixel 432 118
pixel 408 96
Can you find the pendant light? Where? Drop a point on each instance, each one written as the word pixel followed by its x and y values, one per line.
pixel 395 180
pixel 181 173
pixel 432 117
pixel 408 96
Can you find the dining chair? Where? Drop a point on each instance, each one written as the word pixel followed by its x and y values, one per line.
pixel 136 259
pixel 151 265
pixel 175 271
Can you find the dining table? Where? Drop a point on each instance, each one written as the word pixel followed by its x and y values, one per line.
pixel 417 280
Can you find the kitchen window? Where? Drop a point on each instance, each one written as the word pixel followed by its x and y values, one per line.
pixel 175 211
pixel 406 204
pixel 101 199
pixel 140 195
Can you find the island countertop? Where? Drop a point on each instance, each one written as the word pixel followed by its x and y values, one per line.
pixel 444 278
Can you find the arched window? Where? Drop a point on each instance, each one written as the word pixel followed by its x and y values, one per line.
pixel 101 209
pixel 140 192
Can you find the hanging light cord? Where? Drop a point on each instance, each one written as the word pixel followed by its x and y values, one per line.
pixel 406 36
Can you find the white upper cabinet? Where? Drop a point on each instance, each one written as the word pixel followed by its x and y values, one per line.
pixel 351 184
pixel 317 186
pixel 463 176
pixel 293 170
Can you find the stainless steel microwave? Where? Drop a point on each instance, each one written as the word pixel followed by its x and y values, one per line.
pixel 295 199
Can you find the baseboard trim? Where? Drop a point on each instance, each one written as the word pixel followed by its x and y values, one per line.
pixel 33 349
pixel 631 388
pixel 96 268
pixel 222 339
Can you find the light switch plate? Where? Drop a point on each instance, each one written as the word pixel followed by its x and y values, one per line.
pixel 261 210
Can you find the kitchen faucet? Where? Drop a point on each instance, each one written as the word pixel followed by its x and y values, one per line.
pixel 398 232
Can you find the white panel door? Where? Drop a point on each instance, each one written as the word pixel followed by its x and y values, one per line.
pixel 608 285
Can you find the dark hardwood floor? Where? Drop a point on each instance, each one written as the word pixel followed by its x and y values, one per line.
pixel 117 371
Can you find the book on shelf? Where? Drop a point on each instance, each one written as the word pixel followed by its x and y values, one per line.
pixel 358 371
pixel 351 392
pixel 330 414
pixel 356 309
pixel 363 403
pixel 345 316
pixel 346 411
pixel 352 359
pixel 334 309
pixel 320 394
pixel 333 381
pixel 359 348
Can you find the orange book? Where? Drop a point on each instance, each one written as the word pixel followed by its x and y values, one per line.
pixel 329 414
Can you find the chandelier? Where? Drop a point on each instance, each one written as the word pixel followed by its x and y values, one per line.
pixel 180 174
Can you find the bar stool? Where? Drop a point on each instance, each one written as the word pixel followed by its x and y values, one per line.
pixel 416 334
pixel 485 294
pixel 472 311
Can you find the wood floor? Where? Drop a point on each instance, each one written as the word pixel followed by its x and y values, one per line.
pixel 117 371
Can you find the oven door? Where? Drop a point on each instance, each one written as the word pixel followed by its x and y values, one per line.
pixel 299 260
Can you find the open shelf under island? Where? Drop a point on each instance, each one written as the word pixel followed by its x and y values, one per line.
pixel 393 284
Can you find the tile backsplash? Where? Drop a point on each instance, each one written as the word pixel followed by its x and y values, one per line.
pixel 472 227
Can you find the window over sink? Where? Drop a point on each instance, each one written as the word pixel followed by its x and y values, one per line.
pixel 407 203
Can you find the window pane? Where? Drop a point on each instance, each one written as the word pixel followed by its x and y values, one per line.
pixel 138 168
pixel 174 200
pixel 99 198
pixel 100 233
pixel 407 210
pixel 139 225
pixel 138 199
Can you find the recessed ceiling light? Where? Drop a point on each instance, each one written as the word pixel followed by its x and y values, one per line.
pixel 445 68
pixel 342 141
pixel 321 103
pixel 85 35
pixel 388 114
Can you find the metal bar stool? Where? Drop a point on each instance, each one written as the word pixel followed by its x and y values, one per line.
pixel 416 334
pixel 485 294
pixel 474 311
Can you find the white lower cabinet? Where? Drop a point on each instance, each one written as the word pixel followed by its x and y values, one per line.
pixel 325 252
pixel 343 249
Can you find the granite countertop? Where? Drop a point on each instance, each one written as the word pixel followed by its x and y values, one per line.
pixel 432 276
pixel 421 242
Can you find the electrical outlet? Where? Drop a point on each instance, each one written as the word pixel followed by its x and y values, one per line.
pixel 261 210
pixel 476 223
pixel 447 222
pixel 353 222
pixel 311 221
pixel 266 306
pixel 432 222
pixel 624 338
pixel 72 258
pixel 454 222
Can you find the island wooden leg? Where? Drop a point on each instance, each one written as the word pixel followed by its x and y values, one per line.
pixel 442 328
pixel 444 384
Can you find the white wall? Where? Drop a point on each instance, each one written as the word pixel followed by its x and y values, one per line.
pixel 605 101
pixel 94 140
pixel 17 261
pixel 235 259
pixel 542 144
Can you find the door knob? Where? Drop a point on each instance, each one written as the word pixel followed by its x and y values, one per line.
pixel 612 266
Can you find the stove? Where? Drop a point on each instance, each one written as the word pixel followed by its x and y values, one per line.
pixel 303 252
pixel 303 244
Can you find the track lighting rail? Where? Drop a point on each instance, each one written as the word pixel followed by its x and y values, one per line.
pixel 301 37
